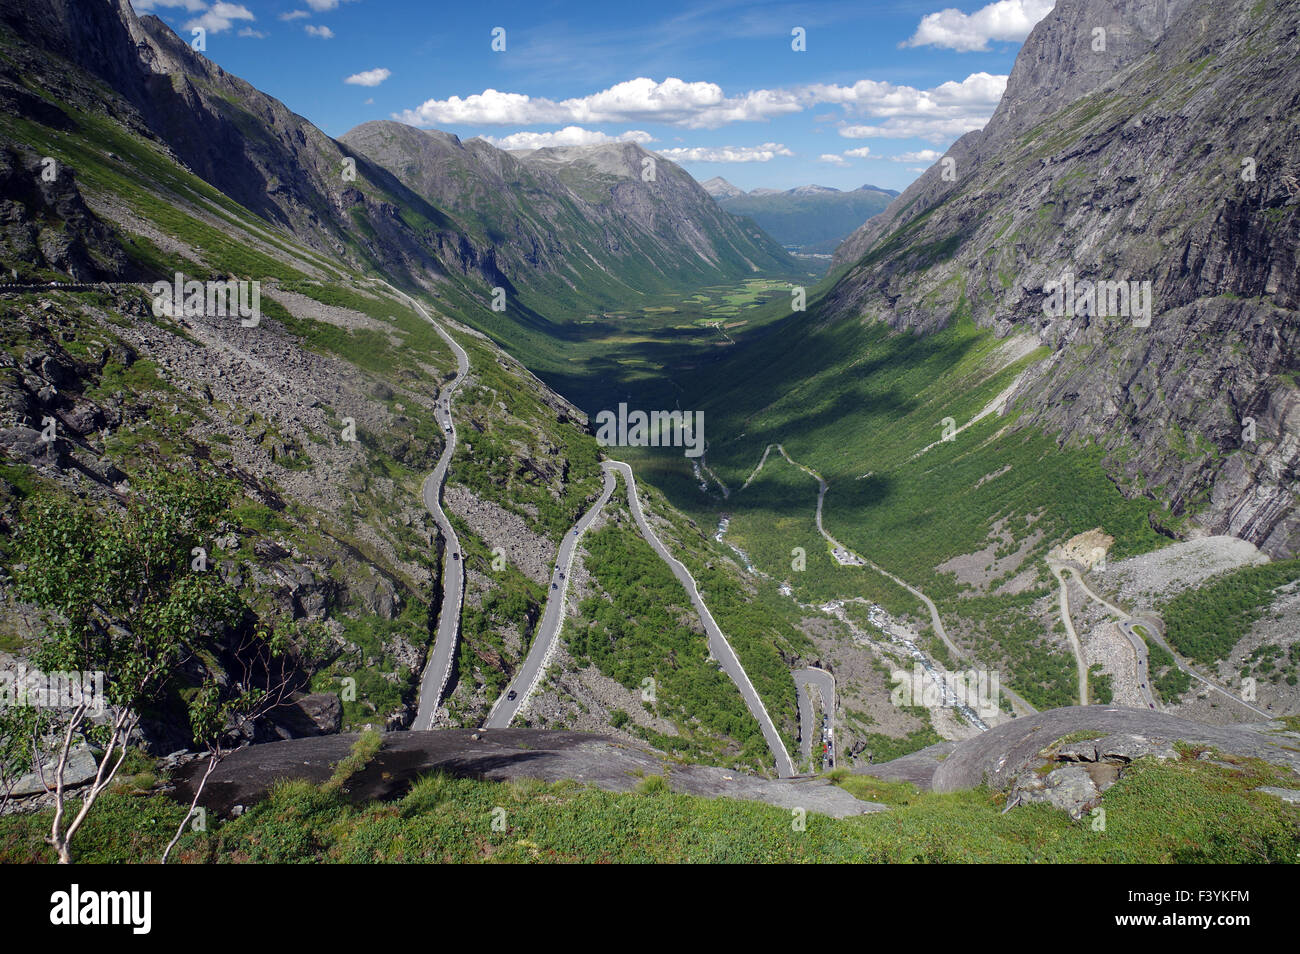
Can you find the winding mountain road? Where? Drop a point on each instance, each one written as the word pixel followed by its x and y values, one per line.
pixel 1058 571
pixel 1143 661
pixel 1154 632
pixel 437 670
pixel 543 645
pixel 825 683
pixel 847 557
pixel 718 646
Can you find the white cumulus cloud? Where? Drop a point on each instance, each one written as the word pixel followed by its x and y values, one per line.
pixel 945 111
pixel 568 136
pixel 324 32
pixel 673 101
pixel 369 77
pixel 938 115
pixel 860 153
pixel 295 15
pixel 923 155
pixel 220 17
pixel 1003 20
pixel 764 153
pixel 832 158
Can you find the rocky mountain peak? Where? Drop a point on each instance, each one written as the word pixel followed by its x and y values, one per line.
pixel 1158 156
pixel 720 188
pixel 1079 46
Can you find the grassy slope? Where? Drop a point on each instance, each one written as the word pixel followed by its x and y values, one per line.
pixel 856 398
pixel 636 629
pixel 1182 812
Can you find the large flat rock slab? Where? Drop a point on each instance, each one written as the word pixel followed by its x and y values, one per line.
pixel 497 755
pixel 998 755
pixel 1004 751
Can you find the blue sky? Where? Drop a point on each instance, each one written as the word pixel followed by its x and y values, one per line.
pixel 880 90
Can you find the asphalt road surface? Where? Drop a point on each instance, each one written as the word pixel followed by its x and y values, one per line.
pixel 718 646
pixel 437 670
pixel 809 725
pixel 1154 632
pixel 1059 572
pixel 1143 662
pixel 552 619
pixel 847 557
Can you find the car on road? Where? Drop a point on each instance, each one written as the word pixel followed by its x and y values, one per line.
pixel 511 696
pixel 455 556
pixel 555 586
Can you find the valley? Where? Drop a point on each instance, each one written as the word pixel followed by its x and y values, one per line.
pixel 953 572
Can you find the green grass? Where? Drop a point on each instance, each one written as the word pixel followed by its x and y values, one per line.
pixel 381 684
pixel 857 402
pixel 511 602
pixel 363 750
pixel 1166 678
pixel 886 748
pixel 1179 812
pixel 634 630
pixel 1205 623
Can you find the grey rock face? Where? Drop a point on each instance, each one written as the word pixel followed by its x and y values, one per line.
pixel 46 224
pixel 319 713
pixel 1070 789
pixel 498 755
pixel 1163 158
pixel 1291 795
pixel 1129 748
pixel 80 768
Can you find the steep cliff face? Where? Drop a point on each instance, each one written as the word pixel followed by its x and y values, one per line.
pixel 583 222
pixel 64 57
pixel 1139 141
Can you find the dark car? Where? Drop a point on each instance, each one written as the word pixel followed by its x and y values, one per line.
pixel 455 556
pixel 511 696
pixel 554 586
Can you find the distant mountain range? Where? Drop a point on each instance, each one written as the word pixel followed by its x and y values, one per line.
pixel 585 225
pixel 810 219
